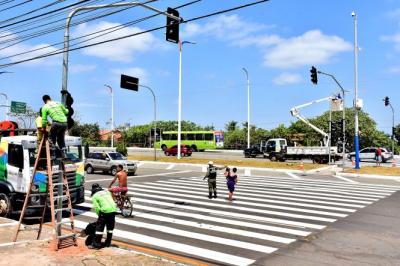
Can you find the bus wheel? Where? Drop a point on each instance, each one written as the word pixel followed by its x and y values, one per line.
pixel 5 205
pixel 163 147
pixel 194 148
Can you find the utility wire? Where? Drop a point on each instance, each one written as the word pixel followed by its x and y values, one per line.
pixel 60 51
pixel 104 32
pixel 11 7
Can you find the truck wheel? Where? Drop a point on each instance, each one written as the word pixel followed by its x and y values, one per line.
pixel 5 205
pixel 163 147
pixel 113 171
pixel 194 148
pixel 272 158
pixel 89 169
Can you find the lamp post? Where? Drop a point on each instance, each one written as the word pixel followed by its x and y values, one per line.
pixel 248 106
pixel 356 140
pixel 181 43
pixel 6 105
pixel 112 114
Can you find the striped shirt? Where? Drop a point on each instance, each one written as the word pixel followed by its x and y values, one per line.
pixel 56 111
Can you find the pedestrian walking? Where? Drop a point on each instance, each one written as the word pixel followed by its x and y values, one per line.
pixel 105 208
pixel 378 156
pixel 231 180
pixel 211 177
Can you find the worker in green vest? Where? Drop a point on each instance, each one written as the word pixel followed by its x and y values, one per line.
pixel 105 208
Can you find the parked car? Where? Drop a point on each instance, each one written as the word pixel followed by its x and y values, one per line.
pixel 368 154
pixel 108 162
pixel 185 151
pixel 252 152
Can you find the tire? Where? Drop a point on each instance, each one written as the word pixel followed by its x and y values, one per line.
pixel 127 207
pixel 246 155
pixel 113 170
pixel 131 173
pixel 273 158
pixel 163 147
pixel 89 169
pixel 166 153
pixel 5 205
pixel 183 154
pixel 194 148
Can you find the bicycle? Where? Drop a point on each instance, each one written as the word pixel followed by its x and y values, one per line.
pixel 124 204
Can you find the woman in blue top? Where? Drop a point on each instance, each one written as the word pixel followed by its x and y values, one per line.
pixel 231 179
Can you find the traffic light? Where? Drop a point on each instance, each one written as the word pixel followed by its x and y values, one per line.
pixel 172 34
pixel 386 101
pixel 314 77
pixel 68 104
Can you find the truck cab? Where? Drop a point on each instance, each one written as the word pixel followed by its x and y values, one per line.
pixel 17 158
pixel 274 149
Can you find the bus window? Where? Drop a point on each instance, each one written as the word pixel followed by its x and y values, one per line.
pixel 199 136
pixel 209 137
pixel 174 137
pixel 183 136
pixel 190 136
pixel 166 136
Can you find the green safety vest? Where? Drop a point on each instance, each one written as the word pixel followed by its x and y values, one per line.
pixel 103 202
pixel 56 111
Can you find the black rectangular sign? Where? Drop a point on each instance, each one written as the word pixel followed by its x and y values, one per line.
pixel 129 83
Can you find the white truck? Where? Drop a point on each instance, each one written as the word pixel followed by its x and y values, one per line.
pixel 277 149
pixel 17 157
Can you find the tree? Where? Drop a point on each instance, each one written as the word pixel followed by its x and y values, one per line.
pixel 231 125
pixel 90 133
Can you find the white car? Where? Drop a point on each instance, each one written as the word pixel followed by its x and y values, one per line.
pixel 108 162
pixel 368 154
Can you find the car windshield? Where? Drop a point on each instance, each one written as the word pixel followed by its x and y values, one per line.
pixel 116 156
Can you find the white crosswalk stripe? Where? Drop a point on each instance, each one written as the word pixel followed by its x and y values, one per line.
pixel 268 213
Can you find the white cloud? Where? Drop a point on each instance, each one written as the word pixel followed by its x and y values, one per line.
pixel 123 50
pixel 312 47
pixel 22 48
pixel 133 71
pixel 287 79
pixel 79 68
pixel 395 38
pixel 394 70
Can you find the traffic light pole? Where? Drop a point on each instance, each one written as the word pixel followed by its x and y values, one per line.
pixel 356 130
pixel 392 128
pixel 67 32
pixel 343 117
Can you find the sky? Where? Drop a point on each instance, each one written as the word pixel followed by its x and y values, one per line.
pixel 277 42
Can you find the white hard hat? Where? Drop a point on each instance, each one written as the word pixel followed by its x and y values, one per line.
pixel 211 162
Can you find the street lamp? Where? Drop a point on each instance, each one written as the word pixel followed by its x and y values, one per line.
pixel 356 141
pixel 181 43
pixel 6 105
pixel 248 106
pixel 112 114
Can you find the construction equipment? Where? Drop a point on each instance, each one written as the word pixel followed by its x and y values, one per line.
pixel 42 198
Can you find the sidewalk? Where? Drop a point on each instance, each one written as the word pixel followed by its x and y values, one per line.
pixel 41 252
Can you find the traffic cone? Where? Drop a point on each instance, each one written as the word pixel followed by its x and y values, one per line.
pixel 353 162
pixel 301 167
pixel 394 164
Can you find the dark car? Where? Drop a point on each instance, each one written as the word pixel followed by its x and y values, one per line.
pixel 252 152
pixel 185 151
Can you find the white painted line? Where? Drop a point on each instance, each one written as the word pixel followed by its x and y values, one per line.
pixel 138 176
pixel 294 176
pixel 204 169
pixel 270 193
pixel 204 226
pixel 178 247
pixel 247 172
pixel 187 234
pixel 139 164
pixel 201 201
pixel 207 216
pixel 8 224
pixel 192 194
pixel 346 179
pixel 172 165
pixel 253 197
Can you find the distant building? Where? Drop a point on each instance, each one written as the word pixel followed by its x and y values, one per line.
pixel 105 135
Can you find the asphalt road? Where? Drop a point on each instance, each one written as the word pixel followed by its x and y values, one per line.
pixel 272 216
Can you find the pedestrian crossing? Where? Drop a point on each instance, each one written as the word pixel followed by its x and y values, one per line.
pixel 268 214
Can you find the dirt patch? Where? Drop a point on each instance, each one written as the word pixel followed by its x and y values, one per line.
pixel 244 163
pixel 373 170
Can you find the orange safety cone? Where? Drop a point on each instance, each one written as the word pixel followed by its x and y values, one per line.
pixel 301 167
pixel 394 164
pixel 353 162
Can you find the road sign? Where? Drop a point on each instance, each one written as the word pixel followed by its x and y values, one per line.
pixel 18 107
pixel 129 83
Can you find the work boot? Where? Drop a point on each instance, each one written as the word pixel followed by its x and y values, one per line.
pixel 215 195
pixel 210 195
pixel 96 244
pixel 107 244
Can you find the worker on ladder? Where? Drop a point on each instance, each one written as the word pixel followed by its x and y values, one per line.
pixel 105 208
pixel 58 113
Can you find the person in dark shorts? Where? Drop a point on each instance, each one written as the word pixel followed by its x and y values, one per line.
pixel 231 179
pixel 378 156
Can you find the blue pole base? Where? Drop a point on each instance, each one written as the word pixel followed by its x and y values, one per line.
pixel 357 151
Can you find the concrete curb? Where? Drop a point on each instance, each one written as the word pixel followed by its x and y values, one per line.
pixel 396 178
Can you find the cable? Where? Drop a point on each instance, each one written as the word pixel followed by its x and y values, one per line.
pixel 118 27
pixel 60 51
pixel 11 7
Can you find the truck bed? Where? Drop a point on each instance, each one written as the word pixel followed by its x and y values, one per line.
pixel 310 150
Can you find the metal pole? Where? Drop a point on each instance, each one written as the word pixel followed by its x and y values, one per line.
pixel 330 132
pixel 248 107
pixel 66 34
pixel 180 100
pixel 343 117
pixel 155 119
pixel 6 105
pixel 356 137
pixel 392 128
pixel 112 114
